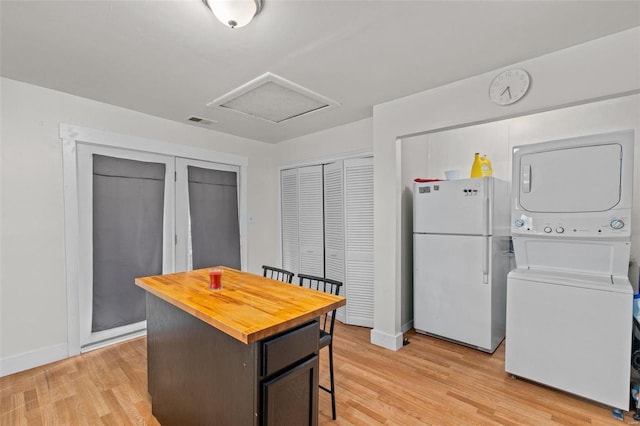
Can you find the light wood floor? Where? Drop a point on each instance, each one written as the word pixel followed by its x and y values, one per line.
pixel 428 382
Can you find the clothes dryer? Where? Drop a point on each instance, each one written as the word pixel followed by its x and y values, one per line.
pixel 569 301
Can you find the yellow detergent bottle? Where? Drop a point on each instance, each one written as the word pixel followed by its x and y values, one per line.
pixel 481 166
pixel 486 168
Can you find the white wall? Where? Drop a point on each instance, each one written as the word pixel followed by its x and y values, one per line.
pixel 33 323
pixel 603 68
pixel 349 139
pixel 415 164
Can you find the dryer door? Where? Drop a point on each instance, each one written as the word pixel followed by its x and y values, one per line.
pixel 571 180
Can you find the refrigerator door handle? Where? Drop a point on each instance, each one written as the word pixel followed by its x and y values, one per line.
pixel 486 212
pixel 485 260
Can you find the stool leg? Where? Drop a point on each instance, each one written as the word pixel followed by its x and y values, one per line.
pixel 333 389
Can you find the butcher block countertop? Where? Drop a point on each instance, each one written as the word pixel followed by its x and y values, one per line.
pixel 249 307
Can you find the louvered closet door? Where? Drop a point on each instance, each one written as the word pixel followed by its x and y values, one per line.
pixel 334 225
pixel 289 194
pixel 310 220
pixel 358 175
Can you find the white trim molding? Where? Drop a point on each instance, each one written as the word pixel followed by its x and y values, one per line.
pixel 99 137
pixel 31 359
pixel 389 341
pixel 407 326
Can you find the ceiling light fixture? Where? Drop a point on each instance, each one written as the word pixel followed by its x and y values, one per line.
pixel 234 13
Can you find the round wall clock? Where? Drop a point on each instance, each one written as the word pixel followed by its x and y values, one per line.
pixel 509 86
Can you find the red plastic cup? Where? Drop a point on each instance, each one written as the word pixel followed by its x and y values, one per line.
pixel 215 279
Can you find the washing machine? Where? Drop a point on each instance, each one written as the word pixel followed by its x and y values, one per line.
pixel 569 300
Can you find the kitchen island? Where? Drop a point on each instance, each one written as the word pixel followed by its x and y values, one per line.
pixel 243 355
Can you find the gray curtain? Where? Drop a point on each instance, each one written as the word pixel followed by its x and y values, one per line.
pixel 128 204
pixel 213 207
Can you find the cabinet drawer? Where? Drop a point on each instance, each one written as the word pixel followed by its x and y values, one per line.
pixel 289 347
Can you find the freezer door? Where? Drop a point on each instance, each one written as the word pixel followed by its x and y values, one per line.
pixel 453 207
pixel 451 299
pixel 574 179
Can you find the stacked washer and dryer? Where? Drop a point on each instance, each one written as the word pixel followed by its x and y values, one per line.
pixel 569 301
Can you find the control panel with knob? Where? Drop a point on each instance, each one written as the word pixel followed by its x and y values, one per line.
pixel 616 223
pixel 598 226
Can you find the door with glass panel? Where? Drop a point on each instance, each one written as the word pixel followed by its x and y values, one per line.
pixel 207 219
pixel 146 214
pixel 125 230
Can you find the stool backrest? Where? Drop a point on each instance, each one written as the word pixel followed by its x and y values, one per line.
pixel 277 274
pixel 328 286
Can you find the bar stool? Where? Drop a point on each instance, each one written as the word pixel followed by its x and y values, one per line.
pixel 327 322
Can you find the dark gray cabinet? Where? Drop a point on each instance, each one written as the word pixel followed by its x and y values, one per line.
pixel 289 389
pixel 199 375
pixel 291 397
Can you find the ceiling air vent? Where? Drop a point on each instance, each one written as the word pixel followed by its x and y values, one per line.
pixel 273 98
pixel 200 120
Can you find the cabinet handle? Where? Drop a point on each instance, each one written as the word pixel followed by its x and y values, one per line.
pixel 525 178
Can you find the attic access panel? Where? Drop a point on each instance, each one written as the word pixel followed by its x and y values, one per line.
pixel 274 99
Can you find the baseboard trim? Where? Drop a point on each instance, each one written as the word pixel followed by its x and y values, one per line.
pixel 389 341
pixel 27 360
pixel 408 326
pixel 113 341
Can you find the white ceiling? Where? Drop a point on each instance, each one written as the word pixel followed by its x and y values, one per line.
pixel 170 58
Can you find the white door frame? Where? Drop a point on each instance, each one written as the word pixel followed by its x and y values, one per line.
pixel 71 136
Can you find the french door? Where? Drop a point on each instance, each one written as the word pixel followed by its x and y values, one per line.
pixel 207 219
pixel 126 220
pixel 143 214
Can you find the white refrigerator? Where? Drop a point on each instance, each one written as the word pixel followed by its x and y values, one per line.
pixel 461 258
